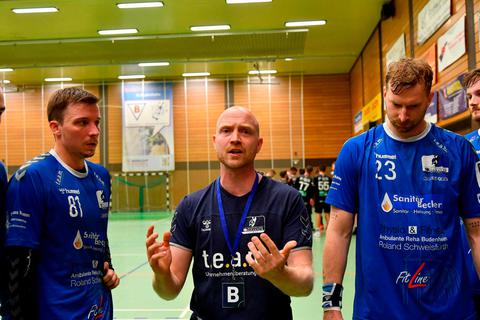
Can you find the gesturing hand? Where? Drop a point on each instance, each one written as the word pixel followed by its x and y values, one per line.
pixel 268 262
pixel 158 253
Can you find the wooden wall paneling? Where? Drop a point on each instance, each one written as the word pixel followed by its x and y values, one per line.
pixel 327 111
pixel 35 122
pixel 392 28
pixel 179 120
pixel 15 133
pixel 115 131
pixel 259 104
pixel 216 105
pixel 356 88
pixel 297 118
pixel 196 116
pixel 280 119
pixel 371 68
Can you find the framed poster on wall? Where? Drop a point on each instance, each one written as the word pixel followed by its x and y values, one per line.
pixel 451 99
pixel 451 45
pixel 430 56
pixel 147 127
pixel 431 17
pixel 397 50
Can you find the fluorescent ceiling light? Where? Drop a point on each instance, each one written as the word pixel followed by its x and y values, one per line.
pixel 5 81
pixel 6 69
pixel 211 28
pixel 305 23
pixel 154 64
pixel 288 59
pixel 262 71
pixel 57 79
pixel 35 10
pixel 133 5
pixel 133 76
pixel 246 1
pixel 196 74
pixel 117 31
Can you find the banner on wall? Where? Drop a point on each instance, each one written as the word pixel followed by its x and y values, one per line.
pixel 451 45
pixel 357 122
pixel 431 17
pixel 147 127
pixel 430 56
pixel 432 114
pixel 397 51
pixel 372 111
pixel 451 99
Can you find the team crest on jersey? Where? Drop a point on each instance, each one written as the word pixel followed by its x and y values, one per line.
pixel 254 224
pixel 102 204
pixel 206 225
pixel 433 164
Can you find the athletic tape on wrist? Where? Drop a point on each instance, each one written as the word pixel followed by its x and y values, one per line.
pixel 332 296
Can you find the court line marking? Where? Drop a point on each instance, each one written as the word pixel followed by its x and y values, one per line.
pixel 133 270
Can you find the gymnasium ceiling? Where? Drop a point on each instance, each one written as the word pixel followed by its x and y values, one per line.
pixel 66 43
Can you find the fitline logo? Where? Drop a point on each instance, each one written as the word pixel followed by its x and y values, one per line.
pixel 415 281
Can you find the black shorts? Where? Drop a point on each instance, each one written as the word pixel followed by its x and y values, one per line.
pixel 322 207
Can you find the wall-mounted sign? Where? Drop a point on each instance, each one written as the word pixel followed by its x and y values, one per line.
pixel 431 17
pixel 451 45
pixel 430 56
pixel 372 111
pixel 397 51
pixel 357 122
pixel 147 126
pixel 451 99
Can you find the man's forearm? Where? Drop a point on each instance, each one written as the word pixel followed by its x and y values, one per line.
pixel 166 285
pixel 337 243
pixel 295 281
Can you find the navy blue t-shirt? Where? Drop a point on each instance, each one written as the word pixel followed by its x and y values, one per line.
pixel 3 215
pixel 277 210
pixel 409 196
pixel 63 214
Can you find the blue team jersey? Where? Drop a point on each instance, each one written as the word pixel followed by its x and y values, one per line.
pixel 409 196
pixel 474 138
pixel 62 214
pixel 277 210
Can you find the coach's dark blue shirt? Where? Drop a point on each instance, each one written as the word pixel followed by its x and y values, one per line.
pixel 277 210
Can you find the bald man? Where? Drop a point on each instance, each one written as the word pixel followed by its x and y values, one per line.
pixel 3 190
pixel 250 237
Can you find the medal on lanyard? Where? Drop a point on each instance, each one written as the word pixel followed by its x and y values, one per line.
pixel 233 291
pixel 234 248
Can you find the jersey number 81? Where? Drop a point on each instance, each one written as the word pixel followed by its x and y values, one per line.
pixel 75 207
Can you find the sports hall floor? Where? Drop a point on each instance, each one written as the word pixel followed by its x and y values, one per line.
pixel 135 299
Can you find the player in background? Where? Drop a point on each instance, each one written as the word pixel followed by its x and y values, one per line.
pixel 304 185
pixel 57 213
pixel 321 184
pixel 410 182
